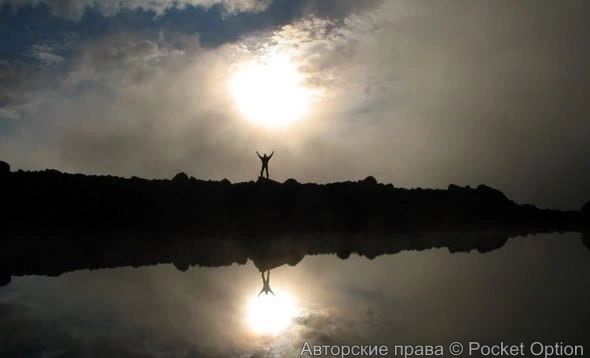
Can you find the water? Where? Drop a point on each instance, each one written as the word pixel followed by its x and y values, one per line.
pixel 532 289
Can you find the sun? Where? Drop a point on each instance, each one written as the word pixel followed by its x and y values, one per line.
pixel 270 315
pixel 270 92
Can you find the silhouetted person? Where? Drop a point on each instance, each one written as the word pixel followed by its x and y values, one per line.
pixel 265 158
pixel 266 284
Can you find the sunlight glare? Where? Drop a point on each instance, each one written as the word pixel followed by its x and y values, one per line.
pixel 270 315
pixel 270 93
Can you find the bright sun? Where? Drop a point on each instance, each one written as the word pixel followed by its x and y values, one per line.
pixel 270 92
pixel 270 315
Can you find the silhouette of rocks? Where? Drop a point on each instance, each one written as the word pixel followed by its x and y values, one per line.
pixel 180 178
pixel 491 194
pixel 586 214
pixel 263 180
pixel 454 189
pixel 4 279
pixel 56 222
pixel 291 181
pixel 4 168
pixel 50 202
pixel 370 180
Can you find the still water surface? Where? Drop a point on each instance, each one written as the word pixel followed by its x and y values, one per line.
pixel 533 289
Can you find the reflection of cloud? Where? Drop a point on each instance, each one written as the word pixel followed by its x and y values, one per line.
pixel 429 297
pixel 151 312
pixel 8 113
pixel 126 313
pixel 156 312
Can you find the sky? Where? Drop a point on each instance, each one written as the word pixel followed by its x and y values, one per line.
pixel 414 93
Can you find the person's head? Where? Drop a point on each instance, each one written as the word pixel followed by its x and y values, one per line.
pixel 264 155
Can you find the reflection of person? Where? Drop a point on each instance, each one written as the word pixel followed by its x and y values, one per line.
pixel 266 284
pixel 265 158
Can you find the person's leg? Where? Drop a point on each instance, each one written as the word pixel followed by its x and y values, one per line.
pixel 266 172
pixel 261 170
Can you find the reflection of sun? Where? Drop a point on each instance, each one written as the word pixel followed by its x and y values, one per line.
pixel 270 92
pixel 270 315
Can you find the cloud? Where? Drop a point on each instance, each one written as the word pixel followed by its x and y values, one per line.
pixel 118 55
pixel 433 94
pixel 414 94
pixel 130 105
pixel 46 54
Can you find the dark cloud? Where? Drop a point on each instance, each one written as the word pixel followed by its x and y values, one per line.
pixel 337 9
pixel 21 83
pixel 13 78
pixel 74 9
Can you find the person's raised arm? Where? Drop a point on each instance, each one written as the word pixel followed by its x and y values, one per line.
pixel 258 154
pixel 270 156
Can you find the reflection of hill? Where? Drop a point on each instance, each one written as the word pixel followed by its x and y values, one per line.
pixel 32 256
pixel 81 221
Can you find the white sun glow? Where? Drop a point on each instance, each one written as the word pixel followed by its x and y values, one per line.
pixel 270 315
pixel 270 92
